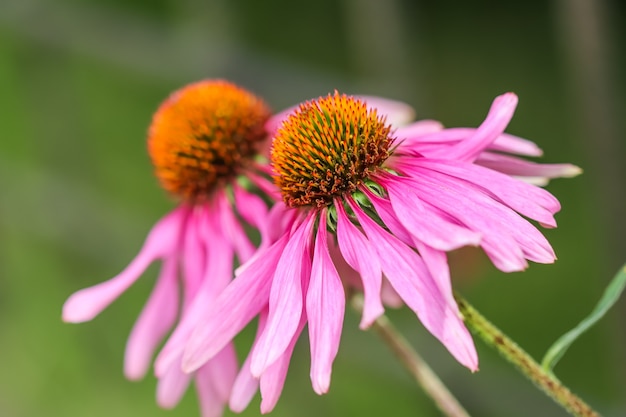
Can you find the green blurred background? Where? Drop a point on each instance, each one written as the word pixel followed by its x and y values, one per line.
pixel 79 81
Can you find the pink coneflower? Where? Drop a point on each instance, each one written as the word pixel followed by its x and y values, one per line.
pixel 386 205
pixel 201 140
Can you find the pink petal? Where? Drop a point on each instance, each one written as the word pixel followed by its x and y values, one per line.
pixel 223 370
pixel 162 240
pixel 233 309
pixel 252 208
pixel 390 297
pixel 409 277
pixel 211 405
pixel 437 263
pixel 418 129
pixel 246 385
pixel 213 280
pixel 497 119
pixel 325 306
pixel 515 166
pixel 171 386
pixel 273 378
pixel 529 200
pixel 194 253
pixel 285 304
pixel 231 228
pixel 507 237
pixel 360 255
pixel 156 319
pixel 422 223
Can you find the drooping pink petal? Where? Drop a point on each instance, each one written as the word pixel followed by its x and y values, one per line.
pixel 162 240
pixel 390 297
pixel 325 306
pixel 273 378
pixel 518 167
pixel 156 319
pixel 214 278
pixel 411 279
pixel 423 223
pixel 533 244
pixel 211 405
pixel 171 386
pixel 359 254
pixel 417 130
pixel 194 253
pixel 286 300
pixel 529 200
pixel 240 301
pixel 437 263
pixel 222 369
pixel 252 209
pixel 436 143
pixel 246 385
pixel 508 239
pixel 491 128
pixel 231 227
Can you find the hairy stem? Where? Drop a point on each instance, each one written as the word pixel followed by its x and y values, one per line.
pixel 546 381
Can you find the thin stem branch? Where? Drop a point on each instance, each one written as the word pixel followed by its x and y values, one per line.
pixel 546 381
pixel 423 374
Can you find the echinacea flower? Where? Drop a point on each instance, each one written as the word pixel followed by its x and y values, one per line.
pixel 201 140
pixel 387 205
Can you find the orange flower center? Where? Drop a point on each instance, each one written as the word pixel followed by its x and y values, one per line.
pixel 326 148
pixel 203 134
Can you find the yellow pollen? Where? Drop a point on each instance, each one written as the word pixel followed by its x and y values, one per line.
pixel 203 134
pixel 326 148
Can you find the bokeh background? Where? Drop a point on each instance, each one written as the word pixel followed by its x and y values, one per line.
pixel 79 81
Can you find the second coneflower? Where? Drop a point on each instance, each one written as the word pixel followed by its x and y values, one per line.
pixel 202 139
pixel 361 196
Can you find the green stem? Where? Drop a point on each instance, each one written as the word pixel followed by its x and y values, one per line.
pixel 423 374
pixel 546 381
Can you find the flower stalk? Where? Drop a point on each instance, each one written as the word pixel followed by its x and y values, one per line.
pixel 543 379
pixel 417 367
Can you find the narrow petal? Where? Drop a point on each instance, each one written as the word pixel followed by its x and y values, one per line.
pixel 273 378
pixel 492 127
pixel 359 254
pixel 252 208
pixel 156 319
pixel 222 369
pixel 211 405
pixel 431 143
pixel 233 309
pixel 508 239
pixel 425 224
pixel 325 306
pixel 162 240
pixel 194 253
pixel 213 280
pixel 411 279
pixel 515 166
pixel 285 303
pixel 231 229
pixel 529 200
pixel 417 130
pixel 171 386
pixel 246 385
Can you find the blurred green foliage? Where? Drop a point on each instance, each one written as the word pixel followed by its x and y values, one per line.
pixel 79 81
